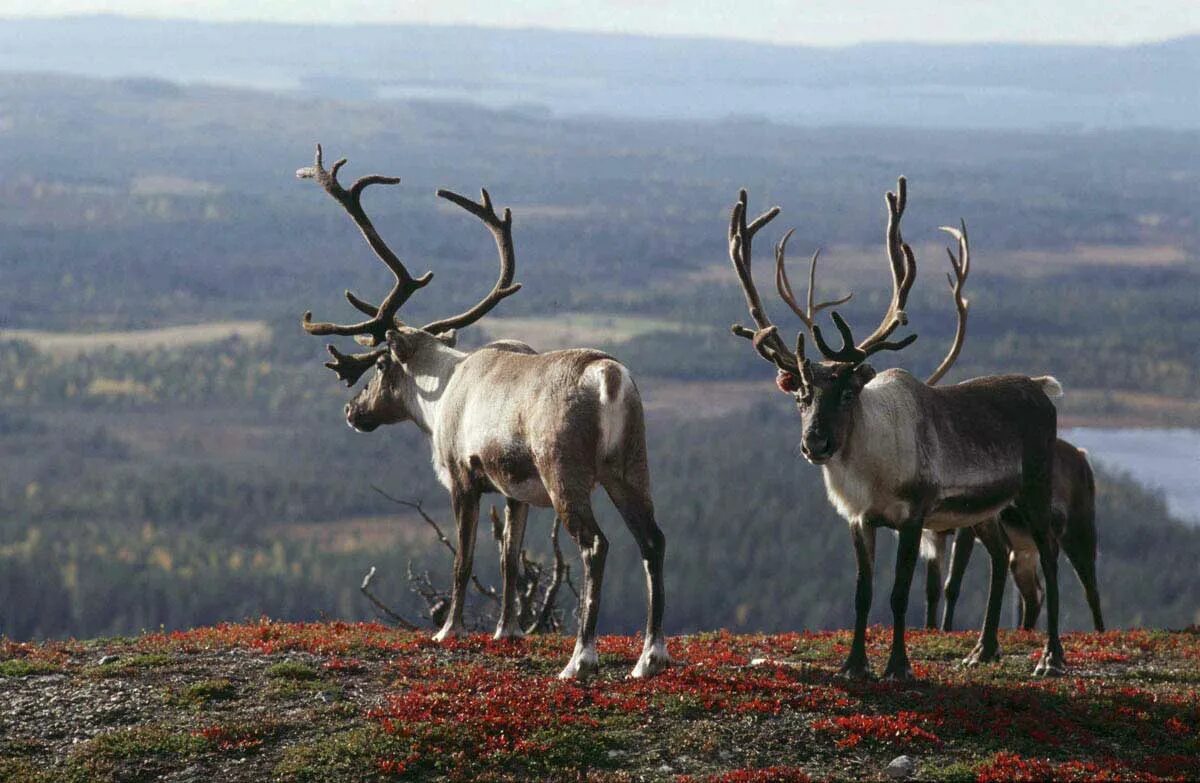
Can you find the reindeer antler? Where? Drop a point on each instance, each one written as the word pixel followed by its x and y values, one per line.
pixel 383 317
pixel 501 228
pixel 766 339
pixel 784 286
pixel 373 331
pixel 904 274
pixel 960 267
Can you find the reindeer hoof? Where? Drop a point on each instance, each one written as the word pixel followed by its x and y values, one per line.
pixel 449 631
pixel 856 670
pixel 898 672
pixel 654 659
pixel 982 654
pixel 1050 666
pixel 1053 662
pixel 579 670
pixel 583 664
pixel 513 632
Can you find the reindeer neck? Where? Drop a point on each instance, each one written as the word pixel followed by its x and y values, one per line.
pixel 429 372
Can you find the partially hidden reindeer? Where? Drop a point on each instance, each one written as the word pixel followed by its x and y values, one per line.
pixel 540 429
pixel 1073 506
pixel 898 453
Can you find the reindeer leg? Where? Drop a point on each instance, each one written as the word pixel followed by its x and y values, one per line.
pixel 933 576
pixel 466 513
pixel 581 525
pixel 1023 565
pixel 1080 548
pixel 907 552
pixel 856 666
pixel 988 647
pixel 637 509
pixel 515 514
pixel 964 542
pixel 1035 505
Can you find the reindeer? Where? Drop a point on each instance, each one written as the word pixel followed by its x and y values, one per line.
pixel 898 453
pixel 1073 506
pixel 540 429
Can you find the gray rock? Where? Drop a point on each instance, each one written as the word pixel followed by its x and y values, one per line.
pixel 901 768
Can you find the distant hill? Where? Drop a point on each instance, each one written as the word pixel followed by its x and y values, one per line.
pixel 572 73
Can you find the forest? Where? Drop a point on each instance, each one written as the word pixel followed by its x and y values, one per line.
pixel 178 484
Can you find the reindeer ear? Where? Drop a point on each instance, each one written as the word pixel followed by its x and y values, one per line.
pixel 863 374
pixel 400 345
pixel 449 338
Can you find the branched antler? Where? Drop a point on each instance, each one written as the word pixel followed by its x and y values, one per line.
pixel 960 267
pixel 501 228
pixel 903 264
pixel 382 318
pixel 765 339
pixel 808 313
pixel 904 274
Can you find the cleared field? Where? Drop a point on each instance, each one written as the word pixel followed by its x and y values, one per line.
pixel 841 264
pixel 570 330
pixel 68 344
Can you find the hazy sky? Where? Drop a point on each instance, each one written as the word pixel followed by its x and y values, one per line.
pixel 798 21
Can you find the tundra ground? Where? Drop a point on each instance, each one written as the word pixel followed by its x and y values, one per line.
pixel 335 701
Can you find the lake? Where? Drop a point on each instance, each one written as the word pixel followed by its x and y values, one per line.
pixel 1165 459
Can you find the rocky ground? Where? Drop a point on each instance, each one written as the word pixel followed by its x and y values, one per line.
pixel 341 702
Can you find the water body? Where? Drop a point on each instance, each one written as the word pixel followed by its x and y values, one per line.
pixel 1167 460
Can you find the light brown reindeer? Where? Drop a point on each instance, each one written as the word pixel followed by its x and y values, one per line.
pixel 540 429
pixel 898 453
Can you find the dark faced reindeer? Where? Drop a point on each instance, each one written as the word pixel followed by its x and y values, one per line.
pixel 898 453
pixel 1073 509
pixel 540 429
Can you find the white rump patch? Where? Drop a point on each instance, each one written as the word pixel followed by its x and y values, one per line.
pixel 1050 386
pixel 613 383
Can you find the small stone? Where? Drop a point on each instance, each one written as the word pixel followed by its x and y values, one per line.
pixel 901 768
pixel 106 659
pixel 666 769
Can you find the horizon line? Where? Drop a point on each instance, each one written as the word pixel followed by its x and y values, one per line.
pixel 1066 44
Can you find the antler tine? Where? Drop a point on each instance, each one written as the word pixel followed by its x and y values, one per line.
pixel 349 367
pixel 957 278
pixel 783 285
pixel 383 317
pixel 904 268
pixel 501 228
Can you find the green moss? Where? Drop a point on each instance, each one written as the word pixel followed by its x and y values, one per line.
pixel 955 772
pixel 205 691
pixel 19 770
pixel 140 753
pixel 292 670
pixel 124 667
pixel 349 755
pixel 24 667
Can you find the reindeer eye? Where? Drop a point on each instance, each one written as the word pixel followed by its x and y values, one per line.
pixel 381 363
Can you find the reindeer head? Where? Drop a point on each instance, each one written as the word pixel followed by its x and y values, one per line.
pixel 397 348
pixel 387 397
pixel 827 392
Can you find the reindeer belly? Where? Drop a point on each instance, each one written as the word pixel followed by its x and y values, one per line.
pixel 511 470
pixel 970 504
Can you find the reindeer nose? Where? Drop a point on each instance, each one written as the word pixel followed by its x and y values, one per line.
pixel 815 445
